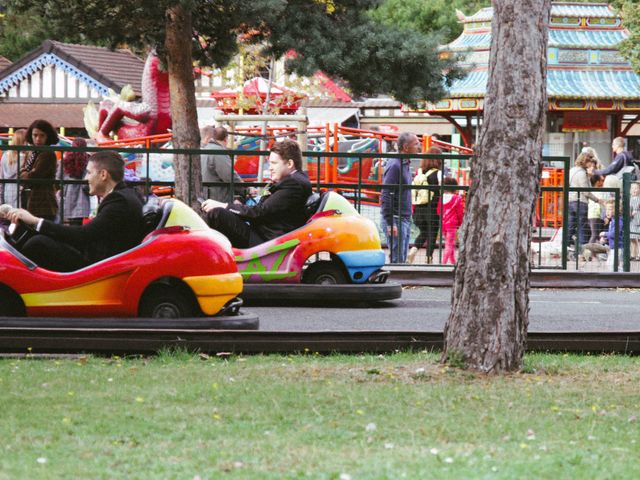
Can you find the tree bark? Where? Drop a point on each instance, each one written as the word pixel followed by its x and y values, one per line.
pixel 486 330
pixel 184 115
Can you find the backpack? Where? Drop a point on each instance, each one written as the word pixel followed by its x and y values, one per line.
pixel 630 166
pixel 422 196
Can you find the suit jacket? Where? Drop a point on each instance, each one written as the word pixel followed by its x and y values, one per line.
pixel 282 210
pixel 118 226
pixel 42 199
pixel 217 168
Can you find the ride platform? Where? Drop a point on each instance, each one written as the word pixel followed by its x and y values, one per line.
pixel 312 294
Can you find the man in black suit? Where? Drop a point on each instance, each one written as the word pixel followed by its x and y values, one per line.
pixel 280 210
pixel 118 225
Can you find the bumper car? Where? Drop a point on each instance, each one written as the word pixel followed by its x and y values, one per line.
pixel 335 257
pixel 181 275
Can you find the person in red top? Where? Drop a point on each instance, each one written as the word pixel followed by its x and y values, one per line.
pixel 451 208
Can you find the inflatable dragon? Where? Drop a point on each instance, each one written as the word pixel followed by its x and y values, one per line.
pixel 124 118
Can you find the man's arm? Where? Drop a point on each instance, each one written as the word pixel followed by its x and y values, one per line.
pixel 290 192
pixel 615 166
pixel 105 224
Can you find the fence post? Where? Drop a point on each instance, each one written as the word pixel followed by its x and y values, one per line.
pixel 626 223
pixel 565 213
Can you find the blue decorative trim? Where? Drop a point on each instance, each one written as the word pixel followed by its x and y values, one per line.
pixel 44 60
pixel 364 262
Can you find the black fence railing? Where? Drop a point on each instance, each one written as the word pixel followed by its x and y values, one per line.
pixel 358 176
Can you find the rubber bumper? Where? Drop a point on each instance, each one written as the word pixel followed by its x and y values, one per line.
pixel 240 321
pixel 324 295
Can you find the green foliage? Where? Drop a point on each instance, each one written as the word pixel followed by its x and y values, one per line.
pixel 20 33
pixel 432 17
pixel 630 48
pixel 336 36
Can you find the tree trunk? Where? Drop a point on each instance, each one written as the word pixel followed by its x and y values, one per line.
pixel 183 103
pixel 487 327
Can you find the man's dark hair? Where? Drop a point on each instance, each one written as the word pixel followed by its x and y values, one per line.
pixel 289 150
pixel 47 128
pixel 111 161
pixel 220 134
pixel 403 139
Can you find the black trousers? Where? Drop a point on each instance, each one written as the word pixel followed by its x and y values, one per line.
pixel 53 255
pixel 427 220
pixel 239 232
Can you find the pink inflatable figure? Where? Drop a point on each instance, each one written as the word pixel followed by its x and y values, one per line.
pixel 128 119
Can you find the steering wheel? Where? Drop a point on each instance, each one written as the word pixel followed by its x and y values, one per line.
pixel 18 234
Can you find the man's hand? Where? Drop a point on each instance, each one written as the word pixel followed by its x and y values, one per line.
pixel 20 214
pixel 392 230
pixel 209 205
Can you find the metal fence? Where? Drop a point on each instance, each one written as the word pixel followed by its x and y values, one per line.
pixel 358 176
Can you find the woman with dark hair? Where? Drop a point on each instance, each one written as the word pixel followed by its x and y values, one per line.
pixel 76 199
pixel 425 201
pixel 40 197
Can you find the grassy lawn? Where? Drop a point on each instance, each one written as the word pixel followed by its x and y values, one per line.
pixel 339 417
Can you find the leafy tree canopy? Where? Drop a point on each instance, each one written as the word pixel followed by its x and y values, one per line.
pixel 336 36
pixel 20 33
pixel 630 48
pixel 434 16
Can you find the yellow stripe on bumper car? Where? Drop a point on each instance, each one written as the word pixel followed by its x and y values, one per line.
pixel 214 291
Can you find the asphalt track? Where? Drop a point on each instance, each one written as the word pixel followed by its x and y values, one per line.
pixel 565 320
pixel 426 309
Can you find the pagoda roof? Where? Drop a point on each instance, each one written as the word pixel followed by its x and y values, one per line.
pixel 583 61
pixel 593 84
pixel 557 38
pixel 564 9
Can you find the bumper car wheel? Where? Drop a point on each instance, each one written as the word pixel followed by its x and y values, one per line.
pixel 164 301
pixel 324 273
pixel 10 303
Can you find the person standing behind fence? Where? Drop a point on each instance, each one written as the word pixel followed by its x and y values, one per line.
pixel 425 215
pixel 217 167
pixel 594 209
pixel 76 199
pixel 634 225
pixel 451 208
pixel 396 201
pixel 40 198
pixel 613 224
pixel 9 169
pixel 621 160
pixel 578 215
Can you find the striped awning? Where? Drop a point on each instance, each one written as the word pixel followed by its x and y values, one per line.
pixel 587 84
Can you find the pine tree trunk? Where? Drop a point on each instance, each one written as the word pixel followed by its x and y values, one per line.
pixel 487 327
pixel 184 116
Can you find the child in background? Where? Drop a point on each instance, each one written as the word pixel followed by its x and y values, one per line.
pixel 451 208
pixel 634 225
pixel 613 223
pixel 594 209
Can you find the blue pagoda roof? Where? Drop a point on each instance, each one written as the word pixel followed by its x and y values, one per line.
pixel 594 84
pixel 571 10
pixel 583 58
pixel 557 38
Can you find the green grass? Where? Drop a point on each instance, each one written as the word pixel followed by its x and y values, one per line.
pixel 362 417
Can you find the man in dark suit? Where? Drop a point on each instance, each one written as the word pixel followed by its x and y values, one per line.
pixel 281 207
pixel 118 225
